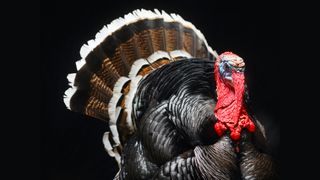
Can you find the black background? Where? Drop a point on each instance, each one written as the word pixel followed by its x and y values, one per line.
pixel 71 143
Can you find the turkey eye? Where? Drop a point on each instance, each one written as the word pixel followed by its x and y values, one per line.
pixel 226 67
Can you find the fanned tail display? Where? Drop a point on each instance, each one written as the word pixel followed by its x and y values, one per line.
pixel 122 53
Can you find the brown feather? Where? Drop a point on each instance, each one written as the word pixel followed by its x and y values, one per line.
pixel 96 108
pixel 188 45
pixel 129 51
pixel 171 39
pixel 108 74
pixel 144 44
pixel 119 62
pixel 157 39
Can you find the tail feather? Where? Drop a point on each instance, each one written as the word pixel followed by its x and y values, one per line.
pixel 121 54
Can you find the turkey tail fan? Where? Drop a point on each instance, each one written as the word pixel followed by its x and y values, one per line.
pixel 122 53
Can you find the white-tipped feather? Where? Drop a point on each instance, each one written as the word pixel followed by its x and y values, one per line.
pixel 180 53
pixel 118 110
pixel 112 108
pixel 107 144
pixel 152 14
pixel 113 152
pixel 175 17
pixel 129 98
pixel 136 66
pixel 130 18
pixel 71 78
pixel 92 44
pixel 67 96
pixel 158 13
pixel 115 134
pixel 104 30
pixel 117 157
pixel 114 100
pixel 157 55
pixel 166 17
pixel 69 92
pixel 136 13
pixel 84 51
pixel 119 84
pixel 80 63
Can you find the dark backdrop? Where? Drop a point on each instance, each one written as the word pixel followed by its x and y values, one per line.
pixel 72 143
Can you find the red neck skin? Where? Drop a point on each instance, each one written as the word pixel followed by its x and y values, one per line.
pixel 230 110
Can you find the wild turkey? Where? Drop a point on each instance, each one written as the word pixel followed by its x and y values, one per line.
pixel 176 110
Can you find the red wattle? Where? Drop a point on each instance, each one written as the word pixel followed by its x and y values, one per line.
pixel 220 128
pixel 235 135
pixel 230 110
pixel 251 127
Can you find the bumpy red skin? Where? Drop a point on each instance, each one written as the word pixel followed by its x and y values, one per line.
pixel 230 110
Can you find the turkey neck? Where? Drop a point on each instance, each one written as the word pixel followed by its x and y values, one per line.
pixel 230 110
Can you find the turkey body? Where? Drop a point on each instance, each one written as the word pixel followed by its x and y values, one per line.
pixel 173 111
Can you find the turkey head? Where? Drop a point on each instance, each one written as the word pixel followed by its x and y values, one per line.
pixel 230 110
